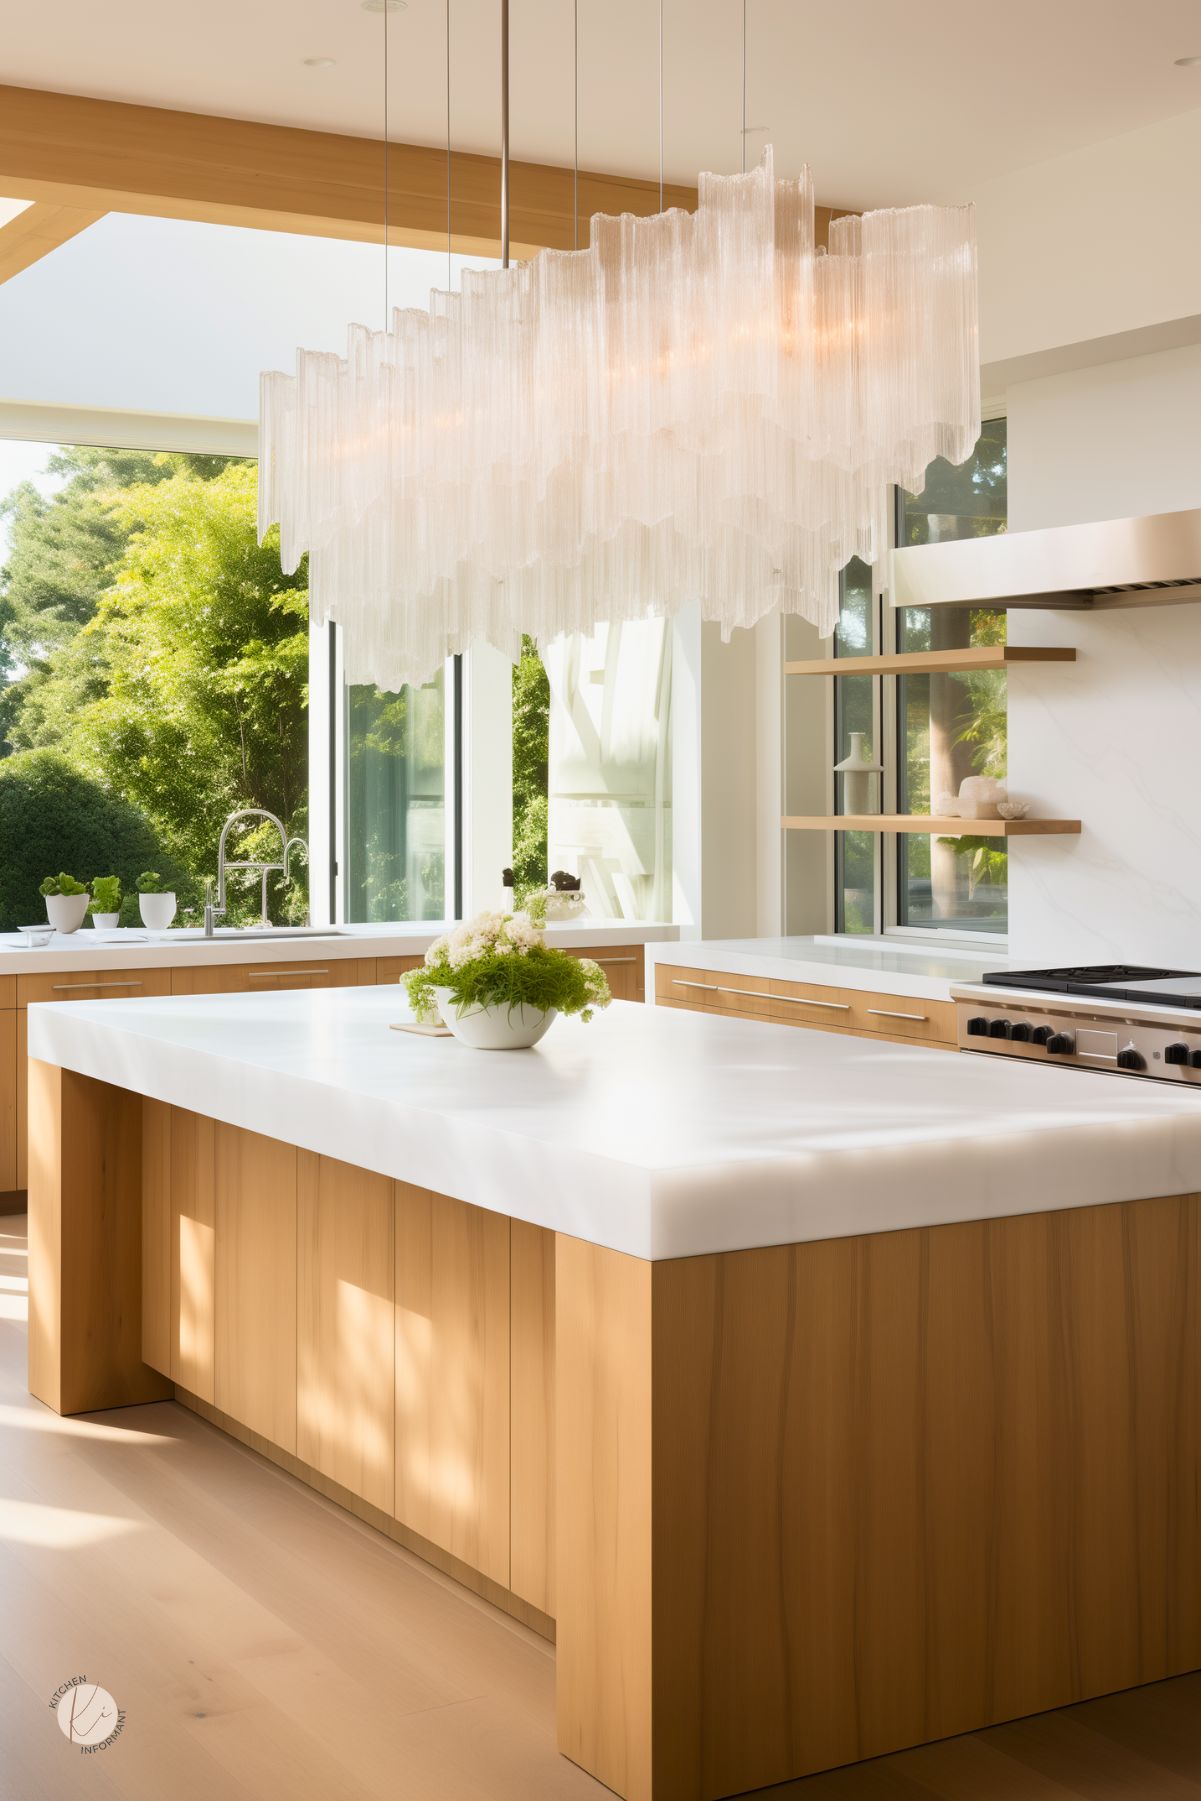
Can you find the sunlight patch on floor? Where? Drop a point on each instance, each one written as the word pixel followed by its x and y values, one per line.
pixel 57 1528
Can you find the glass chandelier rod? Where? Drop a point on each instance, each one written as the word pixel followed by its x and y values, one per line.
pixel 504 134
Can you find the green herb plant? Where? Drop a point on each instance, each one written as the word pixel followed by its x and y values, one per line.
pixel 107 894
pixel 151 882
pixel 62 884
pixel 502 960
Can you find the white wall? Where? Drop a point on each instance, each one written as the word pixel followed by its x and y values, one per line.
pixel 1100 242
pixel 1112 741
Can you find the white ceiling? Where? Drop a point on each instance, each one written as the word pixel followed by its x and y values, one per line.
pixel 888 102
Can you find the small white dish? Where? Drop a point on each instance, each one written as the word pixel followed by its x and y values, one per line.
pixel 36 937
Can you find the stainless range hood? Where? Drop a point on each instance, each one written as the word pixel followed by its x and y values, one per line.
pixel 1152 561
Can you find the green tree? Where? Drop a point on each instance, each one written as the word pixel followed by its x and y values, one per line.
pixel 186 687
pixel 531 739
pixel 64 551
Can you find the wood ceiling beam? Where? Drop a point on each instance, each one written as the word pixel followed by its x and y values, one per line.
pixel 38 230
pixel 106 156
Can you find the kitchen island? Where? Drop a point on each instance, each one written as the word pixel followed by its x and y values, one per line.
pixel 820 1396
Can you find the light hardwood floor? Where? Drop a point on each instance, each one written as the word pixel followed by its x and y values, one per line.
pixel 264 1644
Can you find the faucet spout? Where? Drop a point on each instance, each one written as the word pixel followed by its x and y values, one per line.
pixel 263 870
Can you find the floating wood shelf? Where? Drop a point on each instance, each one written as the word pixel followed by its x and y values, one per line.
pixel 930 826
pixel 936 662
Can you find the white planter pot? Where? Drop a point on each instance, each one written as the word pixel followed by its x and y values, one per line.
pixel 495 1028
pixel 67 912
pixel 106 922
pixel 157 910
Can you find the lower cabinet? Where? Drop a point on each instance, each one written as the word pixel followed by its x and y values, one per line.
pixel 395 1341
pixel 264 978
pixel 857 1012
pixel 8 1101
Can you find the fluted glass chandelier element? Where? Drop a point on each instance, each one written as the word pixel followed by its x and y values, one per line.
pixel 699 407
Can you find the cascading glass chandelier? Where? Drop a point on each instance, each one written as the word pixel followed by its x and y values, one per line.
pixel 697 408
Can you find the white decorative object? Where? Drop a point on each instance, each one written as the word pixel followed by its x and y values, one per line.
pixel 67 912
pixel 858 770
pixel 946 807
pixel 697 407
pixel 494 1028
pixel 1013 809
pixel 36 937
pixel 157 910
pixel 979 796
pixel 106 922
pixel 564 904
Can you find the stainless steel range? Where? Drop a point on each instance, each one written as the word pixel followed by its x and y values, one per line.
pixel 1118 1018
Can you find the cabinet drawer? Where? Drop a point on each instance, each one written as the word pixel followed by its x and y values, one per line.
pixel 810 1004
pixel 390 969
pixel 623 965
pixel 902 1016
pixel 93 985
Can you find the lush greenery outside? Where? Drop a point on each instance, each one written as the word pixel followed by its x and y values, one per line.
pixel 154 661
pixel 531 753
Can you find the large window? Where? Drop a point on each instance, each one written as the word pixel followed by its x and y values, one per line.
pixel 153 675
pixel 395 803
pixel 928 730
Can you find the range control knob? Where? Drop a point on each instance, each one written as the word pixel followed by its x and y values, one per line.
pixel 977 1027
pixel 1040 1035
pixel 1061 1044
pixel 998 1028
pixel 1195 1059
pixel 1175 1053
pixel 1130 1058
pixel 1021 1032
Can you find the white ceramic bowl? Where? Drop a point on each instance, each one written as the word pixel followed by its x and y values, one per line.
pixel 494 1028
pixel 67 912
pixel 36 936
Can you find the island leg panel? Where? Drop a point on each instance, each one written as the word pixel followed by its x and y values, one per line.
pixel 254 1283
pixel 820 1502
pixel 85 1245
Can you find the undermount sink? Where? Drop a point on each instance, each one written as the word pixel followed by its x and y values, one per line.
pixel 252 934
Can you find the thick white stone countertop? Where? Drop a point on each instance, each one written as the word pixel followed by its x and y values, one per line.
pixel 651 1131
pixel 926 972
pixel 133 948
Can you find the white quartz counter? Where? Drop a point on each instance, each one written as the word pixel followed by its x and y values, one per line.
pixel 132 948
pixel 651 1131
pixel 924 972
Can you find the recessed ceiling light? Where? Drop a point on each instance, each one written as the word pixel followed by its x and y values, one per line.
pixel 319 62
pixel 1188 62
pixel 384 6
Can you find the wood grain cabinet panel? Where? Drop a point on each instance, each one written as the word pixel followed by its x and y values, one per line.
pixel 345 1337
pixel 390 969
pixel 822 1501
pixel 262 978
pixel 22 1134
pixel 255 1282
pixel 158 1238
pixel 532 1414
pixel 624 966
pixel 452 1377
pixel 194 1253
pixel 93 985
pixel 8 1100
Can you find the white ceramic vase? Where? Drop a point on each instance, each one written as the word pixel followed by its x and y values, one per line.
pixel 494 1028
pixel 859 771
pixel 979 795
pixel 105 922
pixel 67 912
pixel 157 910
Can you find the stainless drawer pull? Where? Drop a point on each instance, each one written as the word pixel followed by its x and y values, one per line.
pixel 757 994
pixel 609 959
pixel 276 975
pixel 709 987
pixel 887 1013
pixel 797 1000
pixel 69 987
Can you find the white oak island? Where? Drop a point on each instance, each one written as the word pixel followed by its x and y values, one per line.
pixel 819 1396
